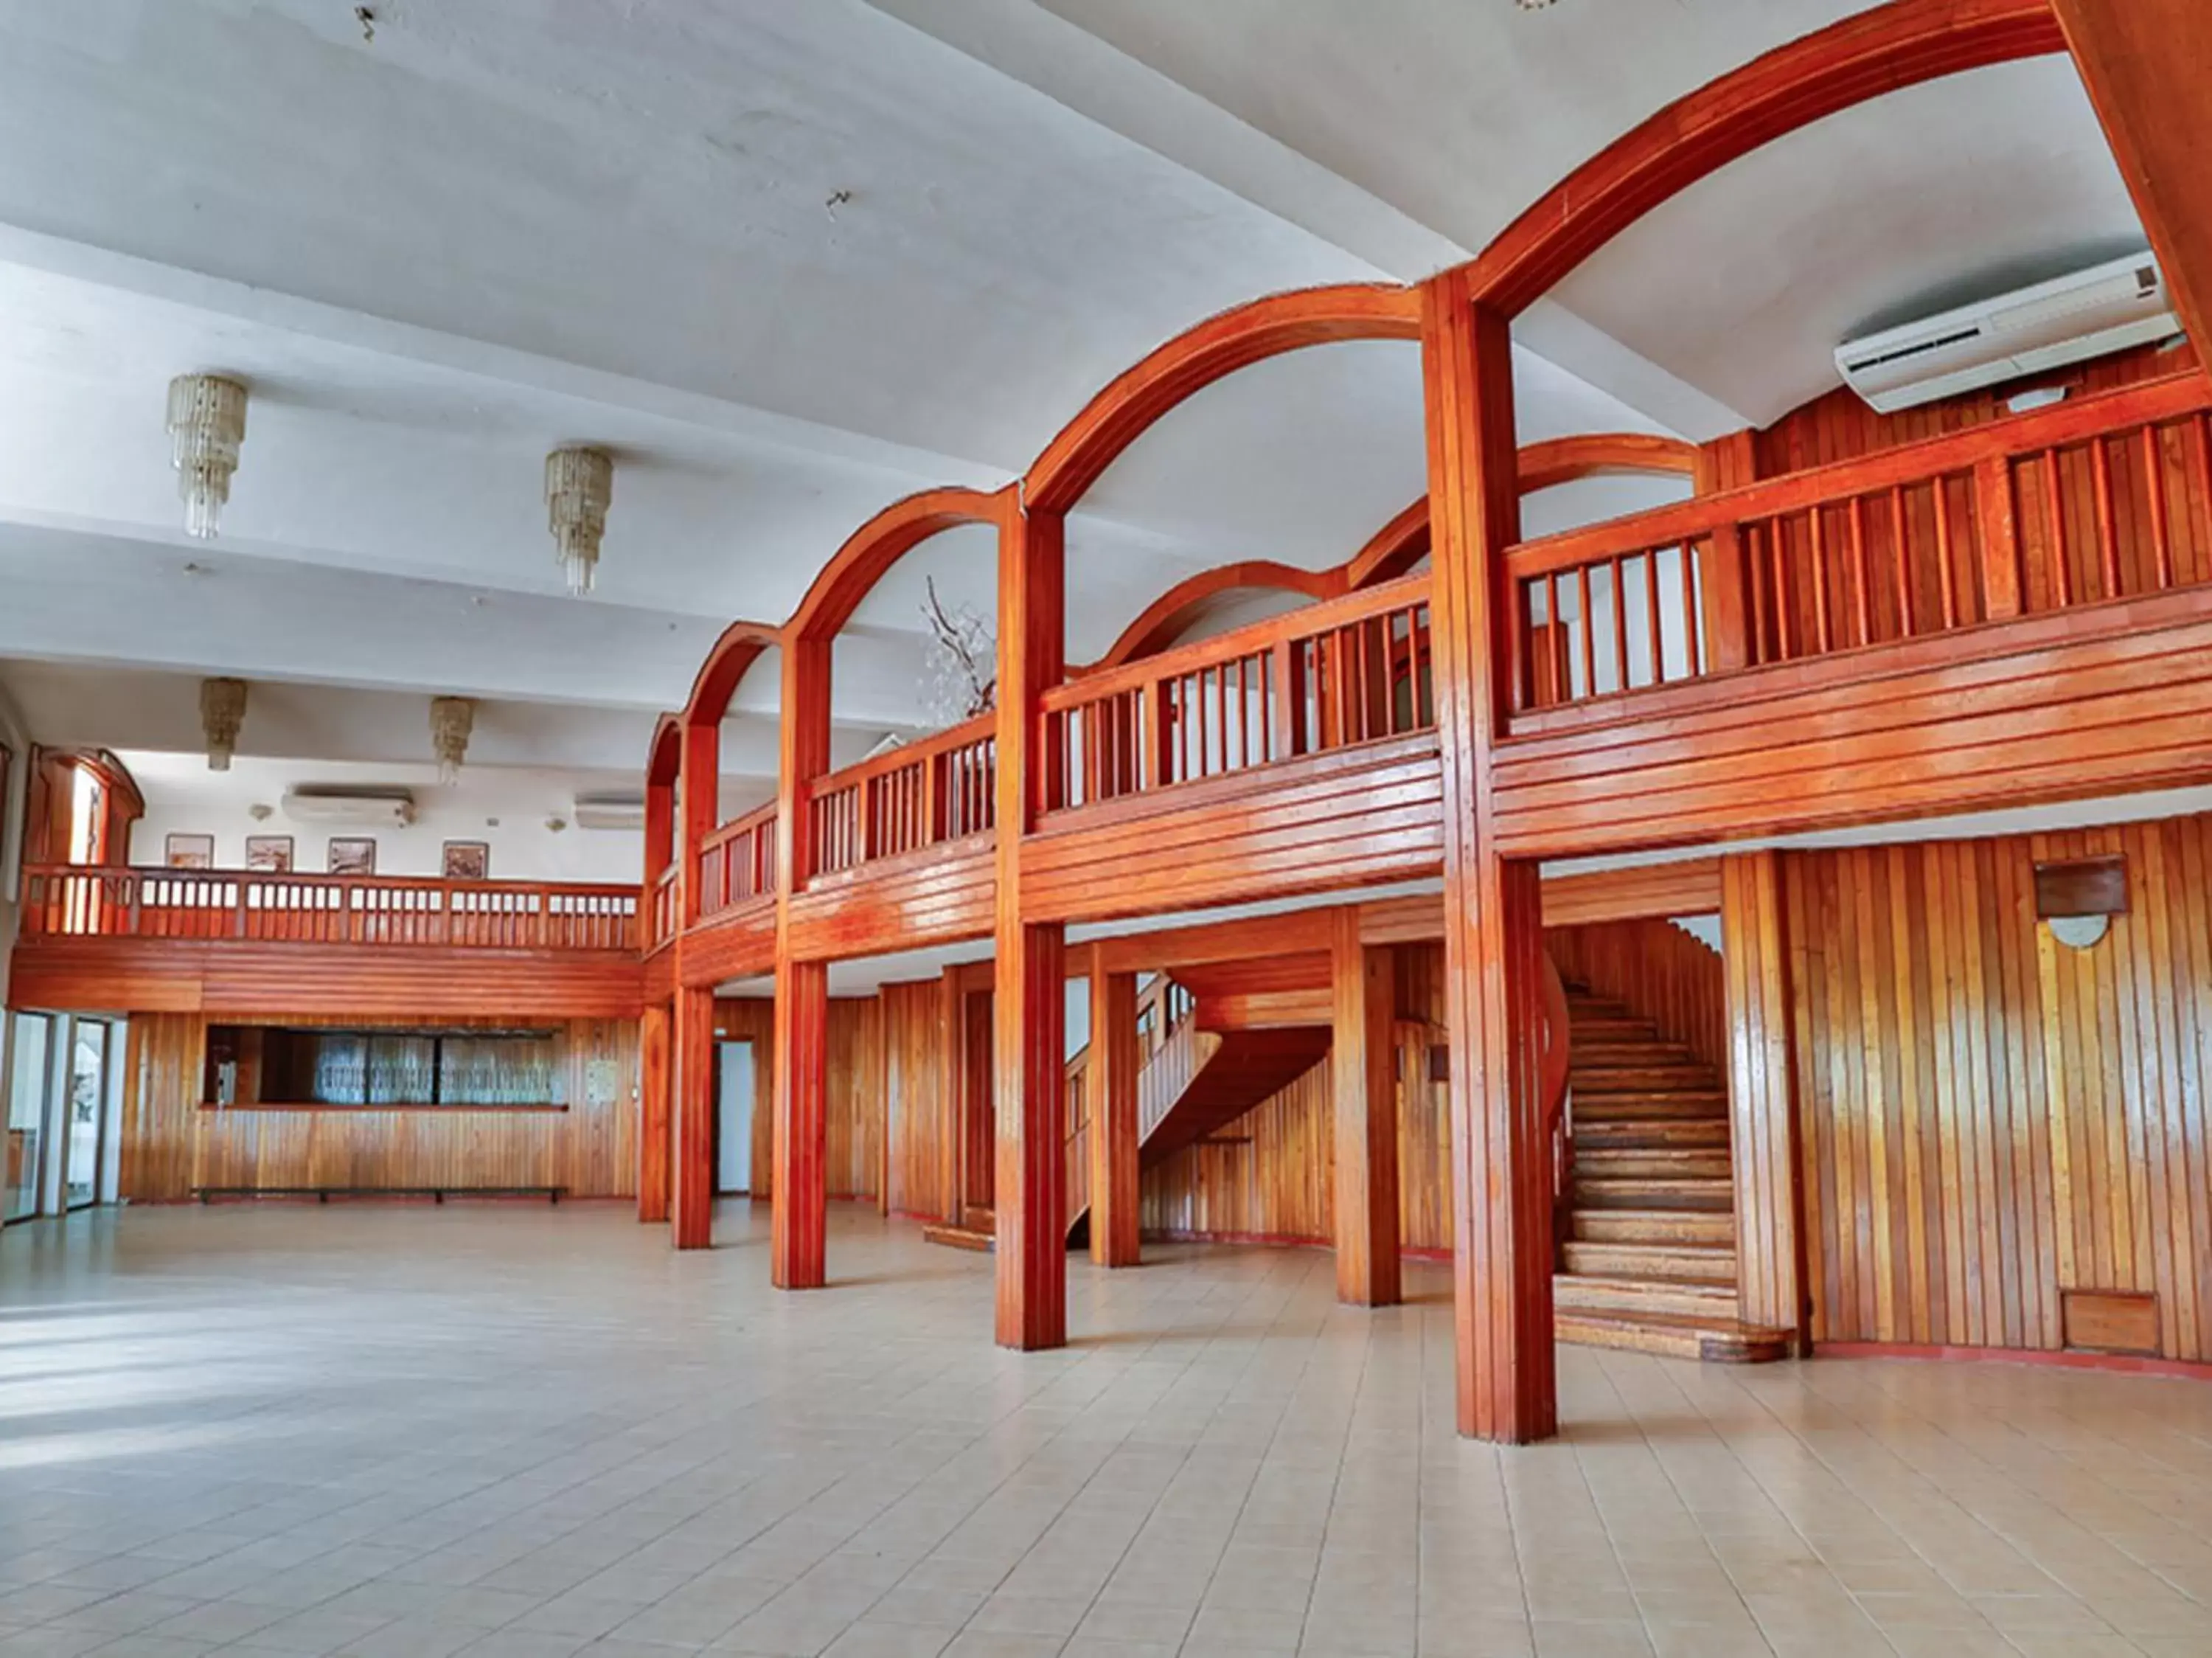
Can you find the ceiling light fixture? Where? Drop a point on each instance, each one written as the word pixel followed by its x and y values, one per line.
pixel 207 427
pixel 578 484
pixel 222 710
pixel 452 720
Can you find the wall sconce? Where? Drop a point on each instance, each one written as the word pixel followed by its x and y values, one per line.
pixel 2077 899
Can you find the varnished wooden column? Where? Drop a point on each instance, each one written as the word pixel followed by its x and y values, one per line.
pixel 799 1154
pixel 691 1069
pixel 653 1114
pixel 1364 1085
pixel 799 1141
pixel 1762 1094
pixel 1111 1087
pixel 1030 989
pixel 1502 1244
pixel 2146 64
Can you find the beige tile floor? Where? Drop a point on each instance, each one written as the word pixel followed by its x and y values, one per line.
pixel 519 1433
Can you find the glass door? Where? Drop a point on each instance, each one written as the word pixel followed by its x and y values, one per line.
pixel 87 1100
pixel 27 1095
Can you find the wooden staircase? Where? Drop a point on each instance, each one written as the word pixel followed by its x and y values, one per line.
pixel 1648 1252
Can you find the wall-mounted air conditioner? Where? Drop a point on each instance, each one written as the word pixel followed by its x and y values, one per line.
pixel 350 808
pixel 610 812
pixel 2091 312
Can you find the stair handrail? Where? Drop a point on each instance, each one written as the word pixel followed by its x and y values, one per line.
pixel 1556 1063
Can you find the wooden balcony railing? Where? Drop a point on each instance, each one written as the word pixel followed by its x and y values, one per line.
pixel 2102 498
pixel 940 790
pixel 736 862
pixel 73 901
pixel 661 915
pixel 1322 677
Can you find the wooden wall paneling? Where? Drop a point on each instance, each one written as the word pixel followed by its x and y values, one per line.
pixel 852 1099
pixel 691 1146
pixel 165 1054
pixel 1991 1120
pixel 1506 1385
pixel 1363 1063
pixel 1029 995
pixel 1112 1085
pixel 655 1047
pixel 752 1019
pixel 921 1132
pixel 1268 1176
pixel 1761 1070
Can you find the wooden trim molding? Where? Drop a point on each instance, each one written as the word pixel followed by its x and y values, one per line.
pixel 874 548
pixel 741 645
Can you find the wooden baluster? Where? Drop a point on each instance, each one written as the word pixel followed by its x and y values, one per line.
pixel 1943 556
pixel 1778 556
pixel 2154 483
pixel 1697 650
pixel 2108 541
pixel 1588 631
pixel 1221 709
pixel 1900 559
pixel 2062 574
pixel 1522 667
pixel 1863 605
pixel 1297 727
pixel 1421 700
pixel 1761 609
pixel 1819 544
pixel 1620 624
pixel 1999 535
pixel 1658 642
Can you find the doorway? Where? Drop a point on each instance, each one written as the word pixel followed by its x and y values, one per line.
pixel 85 1110
pixel 30 1095
pixel 733 1118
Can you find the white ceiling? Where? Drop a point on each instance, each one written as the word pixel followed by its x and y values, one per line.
pixel 495 229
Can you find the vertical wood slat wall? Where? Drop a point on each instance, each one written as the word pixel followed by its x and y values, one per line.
pixel 171 1146
pixel 1989 1118
pixel 861 1063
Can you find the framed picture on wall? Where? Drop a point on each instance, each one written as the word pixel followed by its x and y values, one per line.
pixel 468 860
pixel 269 854
pixel 353 855
pixel 189 851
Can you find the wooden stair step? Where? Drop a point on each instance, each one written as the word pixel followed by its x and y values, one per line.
pixel 1696 1298
pixel 1672 1336
pixel 1701 1263
pixel 1652 1226
pixel 1684 1133
pixel 1646 1107
pixel 1642 1191
pixel 1651 1163
pixel 956 1236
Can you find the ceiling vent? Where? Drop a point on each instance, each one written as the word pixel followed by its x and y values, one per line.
pixel 2107 307
pixel 350 808
pixel 610 812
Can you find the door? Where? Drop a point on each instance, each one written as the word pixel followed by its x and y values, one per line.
pixel 86 1108
pixel 29 1093
pixel 733 1116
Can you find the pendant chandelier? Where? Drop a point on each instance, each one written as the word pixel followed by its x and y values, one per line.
pixel 452 720
pixel 207 427
pixel 578 484
pixel 222 712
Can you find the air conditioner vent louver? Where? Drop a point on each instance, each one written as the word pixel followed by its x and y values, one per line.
pixel 2107 307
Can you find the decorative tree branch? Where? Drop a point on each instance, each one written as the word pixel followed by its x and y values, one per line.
pixel 963 660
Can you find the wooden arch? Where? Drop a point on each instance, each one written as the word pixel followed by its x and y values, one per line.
pixel 1399 545
pixel 1194 359
pixel 726 667
pixel 874 548
pixel 665 758
pixel 1849 63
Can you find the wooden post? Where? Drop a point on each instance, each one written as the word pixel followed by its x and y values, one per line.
pixel 652 1117
pixel 1502 1246
pixel 953 1121
pixel 2146 64
pixel 800 1144
pixel 1365 1084
pixel 799 1139
pixel 691 1071
pixel 1111 1087
pixel 1996 521
pixel 1762 1095
pixel 1029 1005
